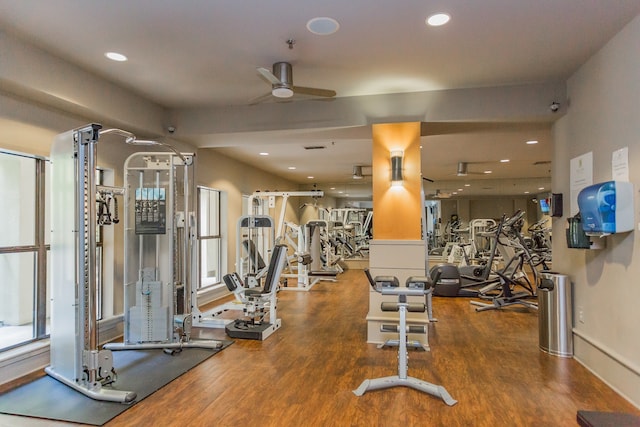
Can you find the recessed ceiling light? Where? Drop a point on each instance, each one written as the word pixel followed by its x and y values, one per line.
pixel 467 185
pixel 115 56
pixel 531 142
pixel 540 188
pixel 487 171
pixel 310 177
pixel 323 26
pixel 438 19
pixel 504 161
pixel 459 189
pixel 291 168
pixel 264 154
pixel 526 192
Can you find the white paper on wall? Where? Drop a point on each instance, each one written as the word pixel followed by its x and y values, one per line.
pixel 620 165
pixel 581 175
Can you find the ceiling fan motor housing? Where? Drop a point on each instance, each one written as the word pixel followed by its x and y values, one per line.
pixel 284 73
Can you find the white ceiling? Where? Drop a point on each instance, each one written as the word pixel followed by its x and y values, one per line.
pixel 204 53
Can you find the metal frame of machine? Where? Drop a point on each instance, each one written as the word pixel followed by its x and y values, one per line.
pixel 76 359
pixel 297 264
pixel 160 252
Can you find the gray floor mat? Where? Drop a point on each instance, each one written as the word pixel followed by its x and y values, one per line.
pixel 142 371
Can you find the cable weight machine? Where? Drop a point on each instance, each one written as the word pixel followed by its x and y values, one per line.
pixel 160 254
pixel 78 206
pixel 76 359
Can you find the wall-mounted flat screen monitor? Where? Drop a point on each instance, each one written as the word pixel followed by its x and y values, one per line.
pixel 544 205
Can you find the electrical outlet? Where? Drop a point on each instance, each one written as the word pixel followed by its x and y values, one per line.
pixel 580 315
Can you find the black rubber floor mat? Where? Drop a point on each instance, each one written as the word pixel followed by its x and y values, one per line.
pixel 142 371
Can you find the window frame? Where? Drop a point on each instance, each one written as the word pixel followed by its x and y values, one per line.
pixel 215 217
pixel 39 248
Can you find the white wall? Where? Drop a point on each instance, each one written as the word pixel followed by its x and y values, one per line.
pixel 603 116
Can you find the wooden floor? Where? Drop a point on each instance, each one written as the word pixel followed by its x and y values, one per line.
pixel 304 374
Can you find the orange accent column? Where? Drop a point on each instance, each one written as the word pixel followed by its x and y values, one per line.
pixel 397 209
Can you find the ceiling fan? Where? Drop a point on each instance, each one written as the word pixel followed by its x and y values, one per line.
pixel 463 170
pixel 281 79
pixel 357 172
pixel 439 194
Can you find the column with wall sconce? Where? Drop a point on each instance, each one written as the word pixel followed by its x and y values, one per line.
pixel 396 203
pixel 397 248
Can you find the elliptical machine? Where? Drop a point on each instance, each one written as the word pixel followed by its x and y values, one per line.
pixel 506 241
pixel 470 280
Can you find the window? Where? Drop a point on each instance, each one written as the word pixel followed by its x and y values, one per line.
pixel 24 217
pixel 209 237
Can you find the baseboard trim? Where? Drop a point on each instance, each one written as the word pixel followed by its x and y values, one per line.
pixel 622 375
pixel 207 296
pixel 23 360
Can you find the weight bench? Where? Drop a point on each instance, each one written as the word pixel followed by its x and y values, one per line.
pixel 606 419
pixel 415 286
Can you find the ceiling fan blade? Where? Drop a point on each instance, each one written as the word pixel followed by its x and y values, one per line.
pixel 259 98
pixel 267 74
pixel 314 91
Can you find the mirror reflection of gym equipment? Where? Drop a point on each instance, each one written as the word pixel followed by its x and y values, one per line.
pixel 349 231
pixel 159 249
pixel 498 264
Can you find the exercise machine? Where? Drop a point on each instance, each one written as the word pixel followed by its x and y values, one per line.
pixel 350 228
pixel 322 251
pixel 76 359
pixel 308 256
pixel 415 286
pixel 258 303
pixel 252 232
pixel 514 286
pixel 539 243
pixel 271 197
pixel 298 265
pixel 160 254
pixel 469 280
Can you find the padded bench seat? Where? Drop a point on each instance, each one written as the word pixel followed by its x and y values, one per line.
pixel 607 419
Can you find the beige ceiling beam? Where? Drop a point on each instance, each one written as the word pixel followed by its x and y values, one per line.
pixel 491 104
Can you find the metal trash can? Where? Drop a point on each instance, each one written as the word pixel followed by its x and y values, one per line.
pixel 555 315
